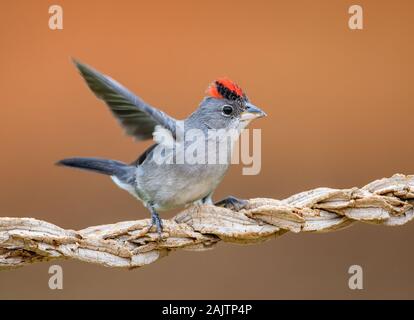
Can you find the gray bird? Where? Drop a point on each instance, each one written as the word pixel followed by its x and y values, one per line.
pixel 156 178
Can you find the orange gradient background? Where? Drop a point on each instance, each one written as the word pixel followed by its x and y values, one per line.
pixel 340 108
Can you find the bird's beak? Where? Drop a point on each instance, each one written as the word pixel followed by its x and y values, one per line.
pixel 252 112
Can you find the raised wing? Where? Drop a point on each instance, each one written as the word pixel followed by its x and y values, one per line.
pixel 136 116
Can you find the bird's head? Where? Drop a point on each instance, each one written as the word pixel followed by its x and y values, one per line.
pixel 226 106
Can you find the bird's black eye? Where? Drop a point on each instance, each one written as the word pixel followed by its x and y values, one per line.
pixel 227 110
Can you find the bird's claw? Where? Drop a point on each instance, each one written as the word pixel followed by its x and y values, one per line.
pixel 232 203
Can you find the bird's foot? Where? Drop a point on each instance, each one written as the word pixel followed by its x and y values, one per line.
pixel 156 221
pixel 232 203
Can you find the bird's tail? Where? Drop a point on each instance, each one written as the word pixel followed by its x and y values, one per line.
pixel 118 169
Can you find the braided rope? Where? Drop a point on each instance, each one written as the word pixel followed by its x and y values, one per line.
pixel 130 244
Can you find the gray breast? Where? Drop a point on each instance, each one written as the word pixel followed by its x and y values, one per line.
pixel 174 184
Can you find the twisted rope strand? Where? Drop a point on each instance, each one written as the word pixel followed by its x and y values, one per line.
pixel 130 244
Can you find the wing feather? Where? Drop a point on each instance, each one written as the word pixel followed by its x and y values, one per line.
pixel 138 118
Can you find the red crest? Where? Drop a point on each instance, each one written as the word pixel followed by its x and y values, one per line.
pixel 224 88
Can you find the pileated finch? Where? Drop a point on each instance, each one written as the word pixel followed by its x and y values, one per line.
pixel 157 178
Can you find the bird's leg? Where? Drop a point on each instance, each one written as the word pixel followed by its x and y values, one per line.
pixel 155 220
pixel 207 199
pixel 232 203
